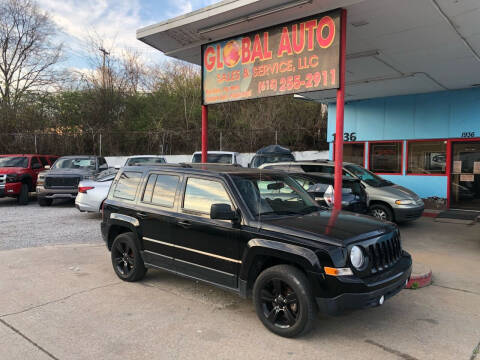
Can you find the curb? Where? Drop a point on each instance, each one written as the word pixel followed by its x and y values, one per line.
pixel 421 277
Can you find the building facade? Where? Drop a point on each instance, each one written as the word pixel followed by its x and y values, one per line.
pixel 429 143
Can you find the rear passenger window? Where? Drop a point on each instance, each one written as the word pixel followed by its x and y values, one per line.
pixel 127 185
pixel 44 160
pixel 200 194
pixel 161 189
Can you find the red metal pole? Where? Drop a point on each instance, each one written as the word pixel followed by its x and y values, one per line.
pixel 204 133
pixel 337 196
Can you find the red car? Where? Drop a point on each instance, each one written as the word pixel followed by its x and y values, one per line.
pixel 18 174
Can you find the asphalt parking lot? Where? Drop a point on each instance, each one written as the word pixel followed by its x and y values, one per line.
pixel 61 300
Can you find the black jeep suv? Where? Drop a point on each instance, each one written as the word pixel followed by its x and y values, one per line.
pixel 237 229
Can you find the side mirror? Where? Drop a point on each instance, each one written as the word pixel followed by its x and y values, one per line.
pixel 47 167
pixel 222 212
pixel 36 166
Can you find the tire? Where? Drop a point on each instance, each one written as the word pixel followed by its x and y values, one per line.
pixel 284 302
pixel 126 259
pixel 23 197
pixel 44 201
pixel 381 212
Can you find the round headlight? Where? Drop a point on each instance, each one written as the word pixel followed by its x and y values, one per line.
pixel 356 257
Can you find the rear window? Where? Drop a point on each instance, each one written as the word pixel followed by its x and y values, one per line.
pixel 214 158
pixel 161 189
pixel 127 184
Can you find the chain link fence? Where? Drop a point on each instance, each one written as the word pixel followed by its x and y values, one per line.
pixel 159 142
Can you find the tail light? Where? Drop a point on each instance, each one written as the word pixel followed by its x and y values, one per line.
pixel 84 189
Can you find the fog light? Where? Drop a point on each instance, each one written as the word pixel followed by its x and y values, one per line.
pixel 382 299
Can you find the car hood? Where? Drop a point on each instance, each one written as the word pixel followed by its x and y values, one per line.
pixel 11 170
pixel 60 172
pixel 334 227
pixel 398 191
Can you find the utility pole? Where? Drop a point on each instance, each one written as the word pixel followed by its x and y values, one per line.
pixel 104 90
pixel 105 53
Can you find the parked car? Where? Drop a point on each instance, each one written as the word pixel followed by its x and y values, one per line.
pixel 320 187
pixel 61 181
pixel 19 172
pixel 290 255
pixel 386 200
pixel 92 193
pixel 216 157
pixel 144 160
pixel 271 154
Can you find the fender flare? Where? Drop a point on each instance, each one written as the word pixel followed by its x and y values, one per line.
pixel 302 256
pixel 128 222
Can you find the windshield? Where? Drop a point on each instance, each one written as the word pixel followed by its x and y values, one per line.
pixel 145 161
pixel 74 163
pixel 267 194
pixel 14 161
pixel 273 158
pixel 367 176
pixel 214 158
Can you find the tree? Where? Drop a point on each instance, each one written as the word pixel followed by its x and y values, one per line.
pixel 28 52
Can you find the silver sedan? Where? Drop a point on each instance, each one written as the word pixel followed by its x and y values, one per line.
pixel 92 193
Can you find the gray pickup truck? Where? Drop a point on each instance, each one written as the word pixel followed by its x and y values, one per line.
pixel 61 181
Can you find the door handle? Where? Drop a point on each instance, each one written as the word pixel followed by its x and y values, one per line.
pixel 184 223
pixel 141 215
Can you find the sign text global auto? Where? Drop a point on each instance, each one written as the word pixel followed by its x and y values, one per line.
pixel 296 57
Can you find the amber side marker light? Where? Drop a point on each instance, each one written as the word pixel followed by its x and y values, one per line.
pixel 337 271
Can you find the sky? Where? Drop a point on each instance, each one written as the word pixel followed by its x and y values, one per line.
pixel 114 21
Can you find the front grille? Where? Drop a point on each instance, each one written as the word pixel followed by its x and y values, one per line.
pixel 57 181
pixel 384 253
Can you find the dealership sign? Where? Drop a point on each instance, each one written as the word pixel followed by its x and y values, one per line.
pixel 296 57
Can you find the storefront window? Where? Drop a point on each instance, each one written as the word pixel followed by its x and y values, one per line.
pixel 353 153
pixel 386 157
pixel 427 157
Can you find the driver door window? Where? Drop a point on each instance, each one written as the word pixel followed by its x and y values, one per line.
pixel 200 194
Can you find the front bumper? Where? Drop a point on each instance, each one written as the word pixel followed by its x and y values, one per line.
pixel 10 189
pixel 358 294
pixel 408 214
pixel 70 193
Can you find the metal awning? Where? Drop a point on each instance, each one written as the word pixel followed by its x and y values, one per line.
pixel 393 47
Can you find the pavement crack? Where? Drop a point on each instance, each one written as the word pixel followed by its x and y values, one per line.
pixel 456 289
pixel 46 352
pixel 391 351
pixel 475 352
pixel 60 299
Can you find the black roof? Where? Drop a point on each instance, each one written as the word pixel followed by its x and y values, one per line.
pixel 274 149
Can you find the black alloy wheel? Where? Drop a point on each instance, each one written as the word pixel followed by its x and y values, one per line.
pixel 279 303
pixel 283 301
pixel 126 259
